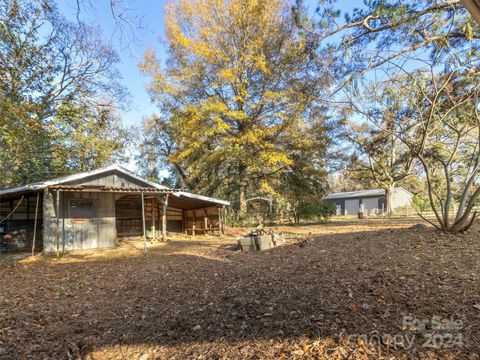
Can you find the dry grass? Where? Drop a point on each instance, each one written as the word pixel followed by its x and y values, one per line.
pixel 192 298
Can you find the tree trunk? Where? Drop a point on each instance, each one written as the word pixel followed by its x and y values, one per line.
pixel 242 184
pixel 389 199
pixel 242 199
pixel 296 219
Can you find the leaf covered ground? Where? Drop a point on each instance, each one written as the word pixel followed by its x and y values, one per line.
pixel 359 290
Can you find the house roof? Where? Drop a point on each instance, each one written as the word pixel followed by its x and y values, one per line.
pixel 37 186
pixel 362 193
pixel 356 194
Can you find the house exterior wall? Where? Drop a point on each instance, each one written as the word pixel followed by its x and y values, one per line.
pixel 401 197
pixel 370 205
pixel 338 202
pixel 350 206
pixel 373 204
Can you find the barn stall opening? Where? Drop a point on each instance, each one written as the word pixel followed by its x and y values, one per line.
pixel 96 209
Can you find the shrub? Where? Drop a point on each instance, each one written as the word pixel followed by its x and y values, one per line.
pixel 320 210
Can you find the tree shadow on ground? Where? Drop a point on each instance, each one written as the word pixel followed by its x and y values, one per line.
pixel 178 304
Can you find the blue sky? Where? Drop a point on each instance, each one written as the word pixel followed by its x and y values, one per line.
pixel 152 15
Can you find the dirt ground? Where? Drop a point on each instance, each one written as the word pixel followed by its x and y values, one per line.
pixel 349 290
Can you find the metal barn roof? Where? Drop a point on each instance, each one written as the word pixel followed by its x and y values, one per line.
pixel 37 186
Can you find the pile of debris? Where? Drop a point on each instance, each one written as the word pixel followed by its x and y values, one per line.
pixel 259 240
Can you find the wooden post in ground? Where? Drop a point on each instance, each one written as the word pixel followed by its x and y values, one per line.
pixel 205 221
pixel 164 218
pixel 159 215
pixel 35 225
pixel 194 222
pixel 143 224
pixel 153 219
pixel 57 232
pixel 224 219
pixel 220 221
pixel 184 222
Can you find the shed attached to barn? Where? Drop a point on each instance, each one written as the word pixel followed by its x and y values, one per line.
pixel 95 209
pixel 369 202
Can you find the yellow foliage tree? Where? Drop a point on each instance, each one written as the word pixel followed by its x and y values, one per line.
pixel 239 83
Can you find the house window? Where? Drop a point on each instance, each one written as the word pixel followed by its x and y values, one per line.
pixel 82 209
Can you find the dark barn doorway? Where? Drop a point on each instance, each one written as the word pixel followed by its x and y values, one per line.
pixel 128 216
pixel 21 219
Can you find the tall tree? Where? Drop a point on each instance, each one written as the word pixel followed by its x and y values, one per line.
pixel 239 82
pixel 441 128
pixel 84 136
pixel 377 153
pixel 379 32
pixel 155 150
pixel 51 69
pixel 385 38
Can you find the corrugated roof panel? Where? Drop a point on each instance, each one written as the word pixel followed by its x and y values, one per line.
pixel 61 180
pixel 356 194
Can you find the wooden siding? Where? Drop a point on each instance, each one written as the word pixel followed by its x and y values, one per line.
pixel 129 216
pixel 202 221
pixel 112 178
pixel 98 232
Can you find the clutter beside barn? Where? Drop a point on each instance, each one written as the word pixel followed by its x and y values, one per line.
pixel 95 209
pixel 368 202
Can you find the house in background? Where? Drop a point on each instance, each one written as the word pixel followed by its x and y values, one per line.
pixel 370 201
pixel 96 208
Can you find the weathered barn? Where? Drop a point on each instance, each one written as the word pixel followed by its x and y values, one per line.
pixel 368 201
pixel 95 209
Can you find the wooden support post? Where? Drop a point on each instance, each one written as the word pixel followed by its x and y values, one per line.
pixel 153 218
pixel 35 225
pixel 159 216
pixel 220 221
pixel 224 217
pixel 184 222
pixel 194 222
pixel 143 224
pixel 57 232
pixel 164 218
pixel 205 221
pixel 159 219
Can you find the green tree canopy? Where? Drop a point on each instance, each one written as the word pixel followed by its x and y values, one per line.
pixel 240 92
pixel 58 93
